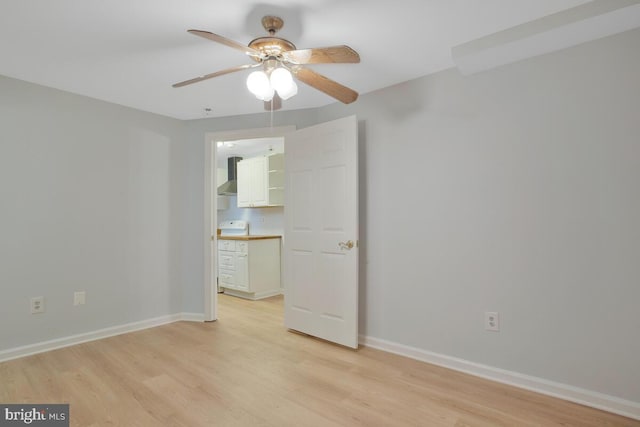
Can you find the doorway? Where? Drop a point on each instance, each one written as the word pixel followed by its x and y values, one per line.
pixel 212 181
pixel 321 227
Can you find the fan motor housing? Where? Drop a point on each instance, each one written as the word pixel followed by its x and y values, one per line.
pixel 271 46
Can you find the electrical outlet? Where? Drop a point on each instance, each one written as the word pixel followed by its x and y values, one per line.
pixel 37 305
pixel 492 321
pixel 79 298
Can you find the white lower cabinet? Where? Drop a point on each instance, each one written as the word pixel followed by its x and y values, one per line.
pixel 249 268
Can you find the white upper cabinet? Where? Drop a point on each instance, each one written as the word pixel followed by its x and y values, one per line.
pixel 261 181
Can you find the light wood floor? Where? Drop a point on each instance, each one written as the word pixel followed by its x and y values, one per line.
pixel 247 370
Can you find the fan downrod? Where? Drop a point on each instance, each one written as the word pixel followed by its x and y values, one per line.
pixel 272 24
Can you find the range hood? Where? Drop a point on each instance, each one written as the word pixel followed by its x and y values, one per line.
pixel 231 186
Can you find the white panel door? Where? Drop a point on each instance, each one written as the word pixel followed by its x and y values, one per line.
pixel 321 231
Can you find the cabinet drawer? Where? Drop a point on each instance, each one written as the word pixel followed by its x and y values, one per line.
pixel 242 247
pixel 226 279
pixel 227 245
pixel 226 260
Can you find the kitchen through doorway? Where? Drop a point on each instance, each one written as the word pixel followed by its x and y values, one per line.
pixel 250 217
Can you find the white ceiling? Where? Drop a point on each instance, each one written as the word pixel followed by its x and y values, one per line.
pixel 131 52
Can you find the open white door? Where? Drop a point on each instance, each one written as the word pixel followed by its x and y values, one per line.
pixel 321 231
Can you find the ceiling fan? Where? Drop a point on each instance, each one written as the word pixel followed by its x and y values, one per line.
pixel 273 53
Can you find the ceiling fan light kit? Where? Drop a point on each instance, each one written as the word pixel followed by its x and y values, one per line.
pixel 281 61
pixel 264 84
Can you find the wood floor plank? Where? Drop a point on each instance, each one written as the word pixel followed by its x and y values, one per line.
pixel 247 370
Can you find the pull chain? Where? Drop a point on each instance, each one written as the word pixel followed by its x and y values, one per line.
pixel 271 118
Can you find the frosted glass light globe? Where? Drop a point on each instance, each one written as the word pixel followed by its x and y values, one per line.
pixel 281 79
pixel 289 91
pixel 267 95
pixel 258 84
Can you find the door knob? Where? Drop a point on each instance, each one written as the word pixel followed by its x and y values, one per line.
pixel 348 245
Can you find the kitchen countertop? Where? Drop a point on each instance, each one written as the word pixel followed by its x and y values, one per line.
pixel 249 237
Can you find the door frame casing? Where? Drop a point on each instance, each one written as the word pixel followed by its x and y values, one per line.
pixel 211 205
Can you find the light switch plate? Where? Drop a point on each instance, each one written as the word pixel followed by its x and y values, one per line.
pixel 79 298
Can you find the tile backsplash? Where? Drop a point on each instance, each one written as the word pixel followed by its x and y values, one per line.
pixel 261 220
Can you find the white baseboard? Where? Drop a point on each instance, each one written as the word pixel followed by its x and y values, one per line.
pixel 251 296
pixel 27 350
pixel 266 294
pixel 562 391
pixel 192 317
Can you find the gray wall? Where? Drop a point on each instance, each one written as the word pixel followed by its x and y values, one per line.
pixel 90 200
pixel 516 190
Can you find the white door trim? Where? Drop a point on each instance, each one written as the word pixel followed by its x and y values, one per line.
pixel 210 204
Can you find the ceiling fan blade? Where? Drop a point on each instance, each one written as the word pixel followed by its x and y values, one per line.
pixel 323 55
pixel 274 104
pixel 216 74
pixel 326 85
pixel 227 42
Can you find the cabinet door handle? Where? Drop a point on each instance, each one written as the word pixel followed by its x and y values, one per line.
pixel 348 245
